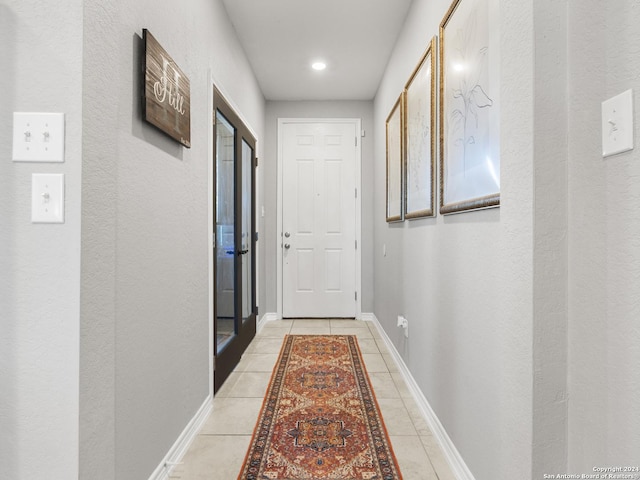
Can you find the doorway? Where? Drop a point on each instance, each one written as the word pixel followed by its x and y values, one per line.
pixel 234 266
pixel 319 218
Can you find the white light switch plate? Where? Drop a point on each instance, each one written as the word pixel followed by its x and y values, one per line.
pixel 47 198
pixel 617 124
pixel 38 137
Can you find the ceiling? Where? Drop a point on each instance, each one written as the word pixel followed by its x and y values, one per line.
pixel 283 37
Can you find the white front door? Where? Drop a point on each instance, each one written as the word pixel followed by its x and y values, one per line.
pixel 319 219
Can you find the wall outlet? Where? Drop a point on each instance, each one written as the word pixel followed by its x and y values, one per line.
pixel 404 323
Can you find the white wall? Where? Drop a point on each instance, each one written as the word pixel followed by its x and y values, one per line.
pixel 550 247
pixel 104 348
pixel 271 239
pixel 145 276
pixel 465 282
pixel 39 264
pixel 523 320
pixel 604 242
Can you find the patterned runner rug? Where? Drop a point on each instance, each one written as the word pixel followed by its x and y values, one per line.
pixel 320 419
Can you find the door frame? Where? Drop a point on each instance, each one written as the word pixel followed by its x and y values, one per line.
pixel 213 83
pixel 245 330
pixel 357 122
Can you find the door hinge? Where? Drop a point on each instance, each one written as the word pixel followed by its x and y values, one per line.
pixel 356 141
pixel 356 296
pixel 356 193
pixel 214 117
pixel 356 244
pixel 256 162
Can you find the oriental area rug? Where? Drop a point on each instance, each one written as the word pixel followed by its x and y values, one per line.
pixel 320 419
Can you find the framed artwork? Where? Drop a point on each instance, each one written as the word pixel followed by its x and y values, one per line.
pixel 469 107
pixel 420 137
pixel 167 96
pixel 394 136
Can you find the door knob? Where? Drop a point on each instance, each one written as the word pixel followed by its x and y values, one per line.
pixel 287 246
pixel 287 234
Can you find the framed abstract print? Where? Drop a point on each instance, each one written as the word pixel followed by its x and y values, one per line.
pixel 469 107
pixel 420 137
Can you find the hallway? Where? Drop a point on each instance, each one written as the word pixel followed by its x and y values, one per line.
pixel 523 337
pixel 219 449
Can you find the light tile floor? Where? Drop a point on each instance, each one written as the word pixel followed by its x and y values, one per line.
pixel 218 451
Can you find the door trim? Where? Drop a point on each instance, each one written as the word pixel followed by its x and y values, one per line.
pixel 357 122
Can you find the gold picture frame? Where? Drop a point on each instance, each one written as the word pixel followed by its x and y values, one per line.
pixel 469 107
pixel 395 159
pixel 420 137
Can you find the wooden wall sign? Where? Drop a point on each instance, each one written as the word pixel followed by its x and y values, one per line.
pixel 167 100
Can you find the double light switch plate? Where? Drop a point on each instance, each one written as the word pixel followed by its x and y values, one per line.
pixel 38 137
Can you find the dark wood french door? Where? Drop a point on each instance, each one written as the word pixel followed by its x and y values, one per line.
pixel 235 308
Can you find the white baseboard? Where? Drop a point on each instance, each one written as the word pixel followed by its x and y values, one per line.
pixel 369 317
pixel 181 445
pixel 454 459
pixel 272 316
pixel 267 317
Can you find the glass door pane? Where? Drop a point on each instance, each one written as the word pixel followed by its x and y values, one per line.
pixel 247 231
pixel 225 233
pixel 235 305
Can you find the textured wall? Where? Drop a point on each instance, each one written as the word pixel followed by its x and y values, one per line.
pixel 550 421
pixel 145 275
pixel 98 274
pixel 604 246
pixel 465 282
pixel 529 314
pixel 39 264
pixel 337 109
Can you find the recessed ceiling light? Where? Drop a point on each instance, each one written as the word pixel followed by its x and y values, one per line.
pixel 319 66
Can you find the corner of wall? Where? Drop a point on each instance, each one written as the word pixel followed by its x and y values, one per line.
pixel 550 248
